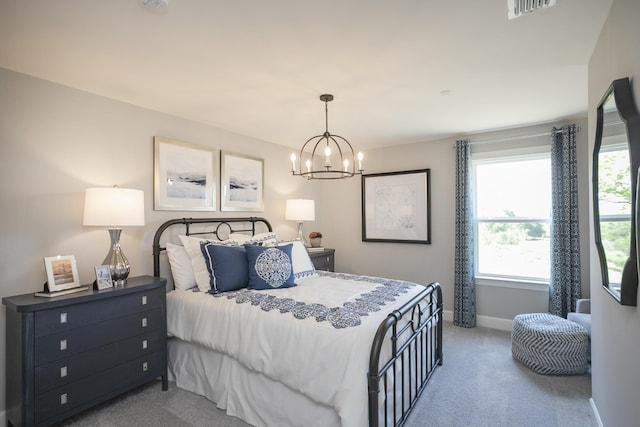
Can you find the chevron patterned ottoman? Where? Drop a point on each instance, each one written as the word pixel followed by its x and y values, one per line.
pixel 549 344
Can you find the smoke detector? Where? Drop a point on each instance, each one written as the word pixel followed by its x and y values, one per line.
pixel 519 8
pixel 155 6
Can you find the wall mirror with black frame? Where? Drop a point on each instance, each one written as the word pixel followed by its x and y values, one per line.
pixel 616 159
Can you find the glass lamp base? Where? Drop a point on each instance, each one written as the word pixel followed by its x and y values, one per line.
pixel 301 235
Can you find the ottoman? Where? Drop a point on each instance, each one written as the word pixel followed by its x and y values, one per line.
pixel 549 344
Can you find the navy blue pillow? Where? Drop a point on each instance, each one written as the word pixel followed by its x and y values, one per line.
pixel 270 267
pixel 227 265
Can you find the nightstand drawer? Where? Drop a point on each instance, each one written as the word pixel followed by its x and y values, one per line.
pixel 324 263
pixel 61 400
pixel 64 344
pixel 323 260
pixel 74 368
pixel 75 316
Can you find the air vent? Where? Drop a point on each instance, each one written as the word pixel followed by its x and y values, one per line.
pixel 155 6
pixel 518 8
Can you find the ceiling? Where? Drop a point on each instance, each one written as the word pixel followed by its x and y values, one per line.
pixel 257 67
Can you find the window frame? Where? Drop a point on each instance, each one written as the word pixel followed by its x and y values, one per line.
pixel 503 280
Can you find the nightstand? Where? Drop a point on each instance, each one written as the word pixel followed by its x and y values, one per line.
pixel 68 353
pixel 323 260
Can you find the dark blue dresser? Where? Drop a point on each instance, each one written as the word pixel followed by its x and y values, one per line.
pixel 71 352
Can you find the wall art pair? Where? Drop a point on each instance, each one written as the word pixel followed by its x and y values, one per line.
pixel 189 177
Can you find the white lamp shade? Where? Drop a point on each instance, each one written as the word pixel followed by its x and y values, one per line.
pixel 114 206
pixel 300 210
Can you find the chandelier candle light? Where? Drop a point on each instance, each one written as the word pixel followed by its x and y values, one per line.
pixel 115 207
pixel 326 156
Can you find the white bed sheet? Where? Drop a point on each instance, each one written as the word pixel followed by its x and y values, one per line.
pixel 324 364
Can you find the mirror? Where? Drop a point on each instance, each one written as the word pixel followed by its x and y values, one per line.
pixel 616 158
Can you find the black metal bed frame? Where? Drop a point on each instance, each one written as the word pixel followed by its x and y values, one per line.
pixel 224 226
pixel 414 333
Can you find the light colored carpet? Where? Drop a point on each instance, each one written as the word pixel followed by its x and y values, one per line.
pixel 479 385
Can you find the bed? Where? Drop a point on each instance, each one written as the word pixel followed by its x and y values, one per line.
pixel 316 349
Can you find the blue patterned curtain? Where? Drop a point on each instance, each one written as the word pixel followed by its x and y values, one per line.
pixel 464 305
pixel 564 287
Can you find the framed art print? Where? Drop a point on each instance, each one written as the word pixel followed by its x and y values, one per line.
pixel 184 176
pixel 241 182
pixel 62 272
pixel 396 207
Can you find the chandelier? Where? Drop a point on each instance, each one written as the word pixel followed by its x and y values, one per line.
pixel 326 156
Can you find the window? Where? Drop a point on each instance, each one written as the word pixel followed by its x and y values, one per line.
pixel 512 211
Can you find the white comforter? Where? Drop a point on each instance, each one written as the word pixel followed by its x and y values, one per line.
pixel 325 363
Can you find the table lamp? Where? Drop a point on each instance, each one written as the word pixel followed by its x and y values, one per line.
pixel 114 207
pixel 300 210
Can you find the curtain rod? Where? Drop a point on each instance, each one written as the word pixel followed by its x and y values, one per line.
pixel 515 138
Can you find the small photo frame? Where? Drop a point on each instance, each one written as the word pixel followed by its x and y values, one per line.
pixel 103 277
pixel 62 272
pixel 241 182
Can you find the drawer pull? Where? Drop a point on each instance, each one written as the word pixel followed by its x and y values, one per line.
pixel 63 318
pixel 144 322
pixel 63 399
pixel 327 259
pixel 144 300
pixel 63 372
pixel 144 344
pixel 145 366
pixel 63 345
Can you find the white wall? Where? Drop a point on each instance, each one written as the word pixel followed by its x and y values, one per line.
pixel 56 141
pixel 615 329
pixel 341 209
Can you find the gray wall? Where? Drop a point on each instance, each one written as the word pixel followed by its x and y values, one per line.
pixel 615 329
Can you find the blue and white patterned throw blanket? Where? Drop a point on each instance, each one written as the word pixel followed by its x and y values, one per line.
pixel 346 316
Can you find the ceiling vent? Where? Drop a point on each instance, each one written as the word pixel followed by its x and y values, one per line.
pixel 518 8
pixel 155 6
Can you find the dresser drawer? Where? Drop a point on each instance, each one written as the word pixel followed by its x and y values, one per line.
pixel 61 401
pixel 68 343
pixel 74 316
pixel 74 368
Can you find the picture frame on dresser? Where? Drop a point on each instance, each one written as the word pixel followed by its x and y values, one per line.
pixel 103 277
pixel 396 207
pixel 184 176
pixel 241 182
pixel 62 273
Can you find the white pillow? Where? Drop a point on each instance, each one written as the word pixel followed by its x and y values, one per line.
pixel 264 239
pixel 200 272
pixel 181 270
pixel 302 265
pixel 192 246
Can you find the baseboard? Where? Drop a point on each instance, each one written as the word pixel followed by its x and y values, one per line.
pixel 596 414
pixel 485 321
